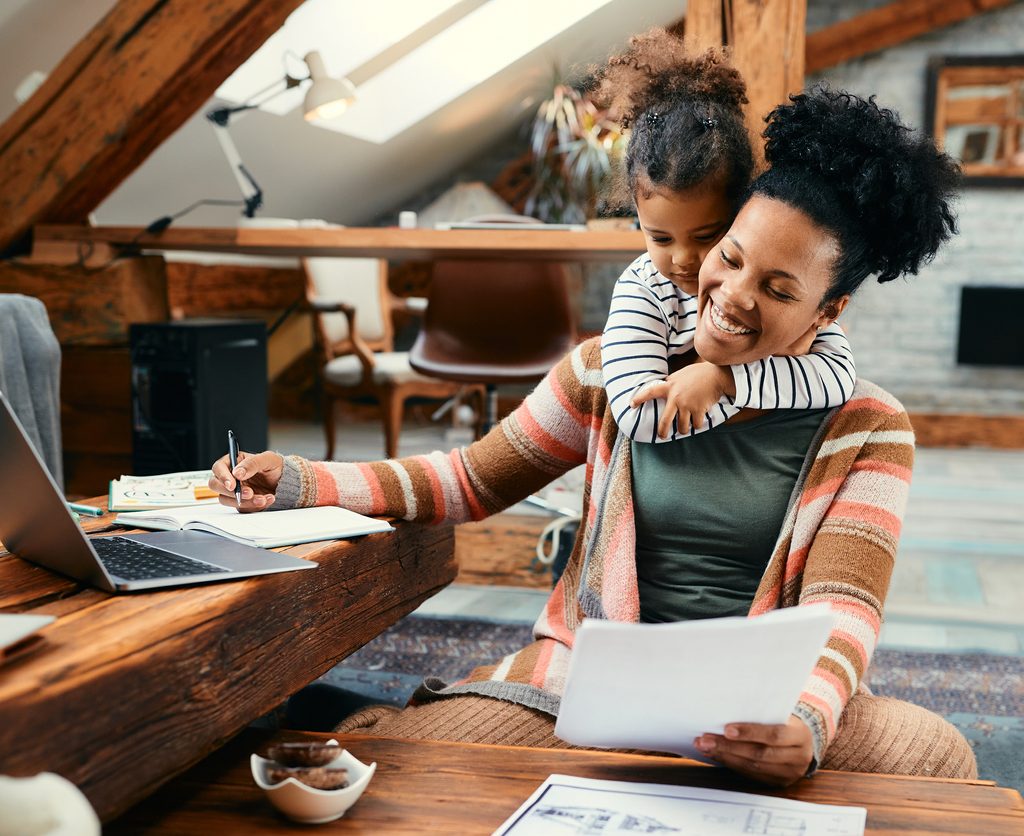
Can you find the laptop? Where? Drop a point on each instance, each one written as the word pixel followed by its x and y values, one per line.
pixel 37 525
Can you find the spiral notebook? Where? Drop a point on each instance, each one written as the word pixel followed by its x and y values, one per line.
pixel 266 530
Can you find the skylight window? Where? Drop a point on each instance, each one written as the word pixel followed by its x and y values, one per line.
pixel 475 46
pixel 470 51
pixel 346 35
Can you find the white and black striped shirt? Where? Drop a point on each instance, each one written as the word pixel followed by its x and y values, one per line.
pixel 651 319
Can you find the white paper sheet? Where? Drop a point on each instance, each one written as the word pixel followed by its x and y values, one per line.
pixel 658 686
pixel 567 806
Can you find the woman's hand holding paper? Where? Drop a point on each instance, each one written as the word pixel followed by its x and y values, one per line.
pixel 774 754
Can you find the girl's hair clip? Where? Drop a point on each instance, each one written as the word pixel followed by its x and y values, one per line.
pixel 652 117
pixel 709 123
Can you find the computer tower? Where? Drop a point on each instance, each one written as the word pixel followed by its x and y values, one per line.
pixel 192 381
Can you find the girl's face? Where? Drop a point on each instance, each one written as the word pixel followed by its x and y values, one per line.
pixel 761 288
pixel 680 229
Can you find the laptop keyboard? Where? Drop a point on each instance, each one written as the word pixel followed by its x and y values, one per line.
pixel 137 562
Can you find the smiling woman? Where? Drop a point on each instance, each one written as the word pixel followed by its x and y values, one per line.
pixel 860 195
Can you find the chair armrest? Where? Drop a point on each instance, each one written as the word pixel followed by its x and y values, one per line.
pixel 359 347
pixel 416 305
pixel 324 306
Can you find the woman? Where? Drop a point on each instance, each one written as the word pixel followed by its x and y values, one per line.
pixel 849 192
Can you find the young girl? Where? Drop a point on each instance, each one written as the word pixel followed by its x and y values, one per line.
pixel 688 165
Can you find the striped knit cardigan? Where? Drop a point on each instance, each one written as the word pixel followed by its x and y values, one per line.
pixel 837 543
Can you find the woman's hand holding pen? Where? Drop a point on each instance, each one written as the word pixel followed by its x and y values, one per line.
pixel 259 474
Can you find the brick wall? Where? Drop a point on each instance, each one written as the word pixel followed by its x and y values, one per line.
pixel 904 333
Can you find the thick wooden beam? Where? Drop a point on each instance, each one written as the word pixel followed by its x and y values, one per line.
pixel 766 39
pixel 887 26
pixel 767 42
pixel 704 26
pixel 129 84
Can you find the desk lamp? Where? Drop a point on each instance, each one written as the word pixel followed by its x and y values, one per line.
pixel 326 98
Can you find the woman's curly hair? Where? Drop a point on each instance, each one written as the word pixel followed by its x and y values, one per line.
pixel 685 118
pixel 885 192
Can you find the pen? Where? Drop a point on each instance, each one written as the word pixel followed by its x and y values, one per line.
pixel 86 509
pixel 233 458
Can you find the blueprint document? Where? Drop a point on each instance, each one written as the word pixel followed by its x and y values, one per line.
pixel 566 806
pixel 656 687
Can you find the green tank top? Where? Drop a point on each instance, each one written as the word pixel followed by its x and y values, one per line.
pixel 709 509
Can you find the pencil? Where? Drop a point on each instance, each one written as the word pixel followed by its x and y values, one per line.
pixel 91 510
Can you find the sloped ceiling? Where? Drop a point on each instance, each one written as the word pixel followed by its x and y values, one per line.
pixel 308 172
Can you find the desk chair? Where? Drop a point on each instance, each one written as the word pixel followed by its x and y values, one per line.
pixel 495 322
pixel 355 335
pixel 30 361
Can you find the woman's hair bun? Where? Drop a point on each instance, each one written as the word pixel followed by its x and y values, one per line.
pixel 655 71
pixel 894 188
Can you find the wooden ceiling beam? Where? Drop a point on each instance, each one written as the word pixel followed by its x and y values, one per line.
pixel 132 81
pixel 888 26
pixel 766 41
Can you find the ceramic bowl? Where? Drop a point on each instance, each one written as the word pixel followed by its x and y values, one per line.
pixel 308 804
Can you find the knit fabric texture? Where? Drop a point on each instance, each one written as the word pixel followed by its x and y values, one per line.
pixel 876 734
pixel 837 543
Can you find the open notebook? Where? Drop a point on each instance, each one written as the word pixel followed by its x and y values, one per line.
pixel 267 529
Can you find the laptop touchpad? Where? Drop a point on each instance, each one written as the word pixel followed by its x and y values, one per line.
pixel 210 548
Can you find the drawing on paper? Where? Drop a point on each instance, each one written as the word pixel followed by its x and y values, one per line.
pixel 596 820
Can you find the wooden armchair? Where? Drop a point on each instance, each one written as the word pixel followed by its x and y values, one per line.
pixel 353 312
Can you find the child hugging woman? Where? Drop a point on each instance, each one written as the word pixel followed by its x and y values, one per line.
pixel 687 169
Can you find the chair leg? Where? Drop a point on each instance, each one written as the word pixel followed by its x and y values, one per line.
pixel 480 401
pixel 392 404
pixel 491 407
pixel 328 405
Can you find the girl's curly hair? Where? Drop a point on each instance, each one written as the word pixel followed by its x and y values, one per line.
pixel 885 192
pixel 685 115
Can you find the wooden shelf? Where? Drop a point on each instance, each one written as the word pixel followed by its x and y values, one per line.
pixel 371 242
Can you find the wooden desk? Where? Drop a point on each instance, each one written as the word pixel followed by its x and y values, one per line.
pixel 130 690
pixel 455 788
pixel 371 242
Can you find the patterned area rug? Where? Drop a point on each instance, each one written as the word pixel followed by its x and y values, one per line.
pixel 982 695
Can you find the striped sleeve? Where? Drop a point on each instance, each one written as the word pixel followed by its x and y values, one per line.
pixel 543 438
pixel 821 379
pixel 863 477
pixel 649 320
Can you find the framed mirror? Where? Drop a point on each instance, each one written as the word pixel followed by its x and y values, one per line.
pixel 975 111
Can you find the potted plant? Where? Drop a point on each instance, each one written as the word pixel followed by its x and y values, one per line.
pixel 575 147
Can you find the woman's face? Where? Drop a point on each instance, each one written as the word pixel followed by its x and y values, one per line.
pixel 761 288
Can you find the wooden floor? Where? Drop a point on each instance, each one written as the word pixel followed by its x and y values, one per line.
pixel 498 551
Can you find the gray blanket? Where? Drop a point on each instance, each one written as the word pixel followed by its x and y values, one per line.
pixel 30 374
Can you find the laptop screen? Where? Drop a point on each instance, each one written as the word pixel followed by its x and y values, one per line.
pixel 35 521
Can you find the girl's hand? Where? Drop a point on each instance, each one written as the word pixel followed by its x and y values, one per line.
pixel 689 393
pixel 777 755
pixel 259 473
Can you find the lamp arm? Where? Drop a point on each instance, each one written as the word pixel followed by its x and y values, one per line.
pixel 219 118
pixel 250 189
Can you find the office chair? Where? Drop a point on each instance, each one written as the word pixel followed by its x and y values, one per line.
pixel 495 322
pixel 355 335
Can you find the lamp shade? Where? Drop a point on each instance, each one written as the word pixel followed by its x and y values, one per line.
pixel 326 97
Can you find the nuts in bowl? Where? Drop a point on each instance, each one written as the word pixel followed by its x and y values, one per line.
pixel 315 753
pixel 307 787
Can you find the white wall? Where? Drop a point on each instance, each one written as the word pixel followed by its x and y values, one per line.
pixel 36 35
